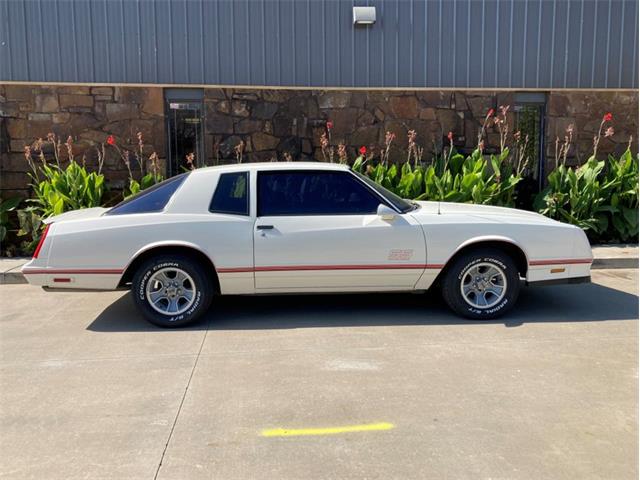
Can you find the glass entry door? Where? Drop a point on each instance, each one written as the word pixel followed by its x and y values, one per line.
pixel 185 130
pixel 529 121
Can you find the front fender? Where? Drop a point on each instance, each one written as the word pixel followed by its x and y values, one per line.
pixel 488 239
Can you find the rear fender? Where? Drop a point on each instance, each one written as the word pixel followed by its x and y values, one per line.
pixel 166 243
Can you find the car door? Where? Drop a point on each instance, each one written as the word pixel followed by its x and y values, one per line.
pixel 318 230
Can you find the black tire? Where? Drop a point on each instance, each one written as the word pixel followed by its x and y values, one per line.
pixel 200 282
pixel 460 271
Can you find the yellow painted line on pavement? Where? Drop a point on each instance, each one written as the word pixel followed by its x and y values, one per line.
pixel 294 432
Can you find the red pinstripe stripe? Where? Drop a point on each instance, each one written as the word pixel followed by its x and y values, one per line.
pixel 289 268
pixel 561 261
pixel 235 270
pixel 339 267
pixel 98 271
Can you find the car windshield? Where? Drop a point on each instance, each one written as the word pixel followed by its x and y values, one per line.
pixel 401 204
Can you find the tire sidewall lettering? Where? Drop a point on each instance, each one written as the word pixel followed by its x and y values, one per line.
pixel 490 311
pixel 189 312
pixel 493 260
pixel 498 263
pixel 453 278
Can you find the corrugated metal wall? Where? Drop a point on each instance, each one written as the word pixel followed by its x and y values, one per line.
pixel 414 43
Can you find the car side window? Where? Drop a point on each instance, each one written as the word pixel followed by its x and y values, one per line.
pixel 313 193
pixel 232 194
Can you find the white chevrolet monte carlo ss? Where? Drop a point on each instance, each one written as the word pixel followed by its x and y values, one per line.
pixel 300 227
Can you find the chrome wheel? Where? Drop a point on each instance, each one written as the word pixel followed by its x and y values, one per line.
pixel 171 291
pixel 483 285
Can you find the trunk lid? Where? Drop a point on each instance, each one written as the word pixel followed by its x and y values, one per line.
pixel 82 214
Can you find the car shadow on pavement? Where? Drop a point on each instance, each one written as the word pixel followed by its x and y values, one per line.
pixel 577 303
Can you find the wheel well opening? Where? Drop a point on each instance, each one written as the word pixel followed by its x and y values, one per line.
pixel 192 253
pixel 510 249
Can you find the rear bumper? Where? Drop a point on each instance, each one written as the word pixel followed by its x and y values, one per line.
pixel 37 273
pixel 560 281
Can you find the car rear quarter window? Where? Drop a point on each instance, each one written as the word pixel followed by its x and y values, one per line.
pixel 313 193
pixel 153 199
pixel 232 194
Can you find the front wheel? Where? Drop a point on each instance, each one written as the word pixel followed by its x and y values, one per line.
pixel 482 284
pixel 171 290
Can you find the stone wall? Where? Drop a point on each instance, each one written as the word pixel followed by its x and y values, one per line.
pixel 585 110
pixel 87 114
pixel 273 123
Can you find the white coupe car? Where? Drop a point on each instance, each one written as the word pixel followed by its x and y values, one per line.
pixel 300 227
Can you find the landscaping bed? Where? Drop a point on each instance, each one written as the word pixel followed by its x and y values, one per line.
pixel 600 196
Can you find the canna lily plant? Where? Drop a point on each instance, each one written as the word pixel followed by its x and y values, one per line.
pixel 58 189
pixel 600 196
pixel 451 177
pixel 149 168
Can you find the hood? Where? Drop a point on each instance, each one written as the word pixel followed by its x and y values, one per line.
pixel 81 214
pixel 487 212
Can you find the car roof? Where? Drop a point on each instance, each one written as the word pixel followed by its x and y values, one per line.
pixel 234 167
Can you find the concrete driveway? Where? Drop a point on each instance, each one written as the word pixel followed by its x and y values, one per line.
pixel 90 390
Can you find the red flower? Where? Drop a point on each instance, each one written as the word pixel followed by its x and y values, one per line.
pixel 607 117
pixel 329 125
pixel 490 112
pixel 363 150
pixel 111 140
pixel 450 136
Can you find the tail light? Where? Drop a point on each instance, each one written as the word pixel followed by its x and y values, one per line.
pixel 41 242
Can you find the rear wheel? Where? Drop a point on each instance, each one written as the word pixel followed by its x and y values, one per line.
pixel 172 291
pixel 482 284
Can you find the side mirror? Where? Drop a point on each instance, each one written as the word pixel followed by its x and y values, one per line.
pixel 386 213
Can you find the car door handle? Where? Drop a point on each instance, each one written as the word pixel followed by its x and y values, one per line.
pixel 264 227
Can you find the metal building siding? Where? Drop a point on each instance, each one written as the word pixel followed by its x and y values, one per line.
pixel 414 43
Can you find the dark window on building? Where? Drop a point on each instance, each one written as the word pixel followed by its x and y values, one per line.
pixel 313 193
pixel 232 194
pixel 153 199
pixel 184 109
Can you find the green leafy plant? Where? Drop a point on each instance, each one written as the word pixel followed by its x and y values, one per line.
pixel 57 188
pixel 149 168
pixel 601 197
pixel 64 189
pixel 145 182
pixel 622 181
pixel 30 226
pixel 7 206
pixel 451 178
